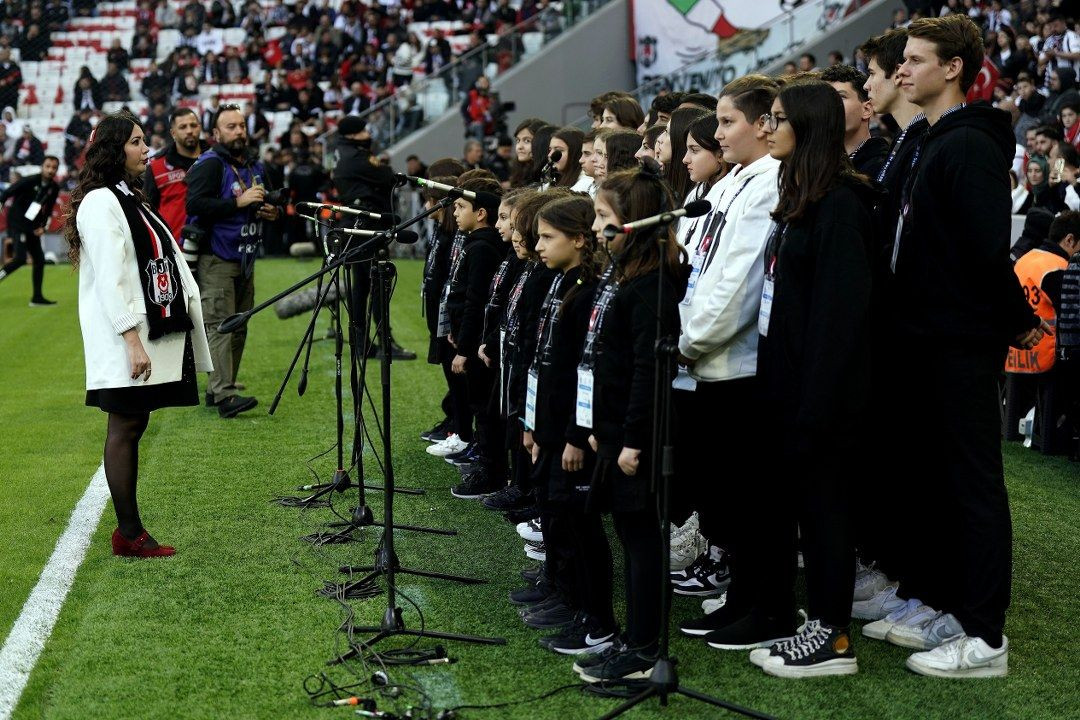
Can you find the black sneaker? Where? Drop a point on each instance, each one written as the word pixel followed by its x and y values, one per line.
pixel 41 302
pixel 531 575
pixel 210 402
pixel 621 667
pixel 531 594
pixel 509 498
pixel 552 600
pixel 234 405
pixel 469 456
pixel 519 516
pixel 584 637
pixel 750 631
pixel 706 624
pixel 475 485
pixel 590 663
pixel 438 433
pixel 817 651
pixel 710 577
pixel 553 617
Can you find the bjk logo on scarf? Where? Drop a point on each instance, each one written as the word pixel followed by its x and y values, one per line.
pixel 161 288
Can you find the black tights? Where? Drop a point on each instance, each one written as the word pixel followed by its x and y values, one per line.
pixel 122 469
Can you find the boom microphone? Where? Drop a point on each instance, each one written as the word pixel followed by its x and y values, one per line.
pixel 694 209
pixel 405 237
pixel 484 197
pixel 349 211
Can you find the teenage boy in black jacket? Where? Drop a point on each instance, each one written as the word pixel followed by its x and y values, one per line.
pixel 956 306
pixel 481 254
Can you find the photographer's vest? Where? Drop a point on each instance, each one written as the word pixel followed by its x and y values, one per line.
pixel 1031 269
pixel 237 235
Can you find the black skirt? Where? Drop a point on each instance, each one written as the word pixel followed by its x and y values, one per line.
pixel 141 400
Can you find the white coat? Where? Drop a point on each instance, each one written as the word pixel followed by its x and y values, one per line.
pixel 719 322
pixel 111 301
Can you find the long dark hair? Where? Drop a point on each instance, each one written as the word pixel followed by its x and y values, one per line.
pixel 703 130
pixel 676 174
pixel 105 165
pixel 819 160
pixel 621 146
pixel 635 194
pixel 540 145
pixel 574 215
pixel 528 207
pixel 573 137
pixel 518 170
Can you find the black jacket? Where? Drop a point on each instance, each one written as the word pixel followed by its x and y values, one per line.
pixel 625 365
pixel 897 171
pixel 953 279
pixel 870 156
pixel 521 336
pixel 481 255
pixel 436 273
pixel 27 190
pixel 359 180
pixel 814 361
pixel 556 364
pixel 511 269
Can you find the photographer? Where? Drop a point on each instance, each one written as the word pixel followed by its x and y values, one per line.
pixel 363 182
pixel 35 196
pixel 478 109
pixel 228 203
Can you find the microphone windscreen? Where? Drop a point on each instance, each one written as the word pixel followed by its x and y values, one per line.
pixel 407 237
pixel 555 156
pixel 697 208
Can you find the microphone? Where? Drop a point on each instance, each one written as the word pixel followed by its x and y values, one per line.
pixel 555 156
pixel 694 209
pixel 405 237
pixel 342 209
pixel 484 197
pixel 233 322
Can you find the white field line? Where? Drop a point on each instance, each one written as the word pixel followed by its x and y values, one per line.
pixel 38 617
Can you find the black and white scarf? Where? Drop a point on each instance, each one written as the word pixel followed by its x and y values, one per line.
pixel 162 287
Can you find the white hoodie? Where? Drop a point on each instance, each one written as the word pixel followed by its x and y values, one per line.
pixel 719 313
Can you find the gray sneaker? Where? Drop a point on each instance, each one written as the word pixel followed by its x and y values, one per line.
pixel 927 635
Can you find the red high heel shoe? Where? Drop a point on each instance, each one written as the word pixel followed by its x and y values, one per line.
pixel 134 548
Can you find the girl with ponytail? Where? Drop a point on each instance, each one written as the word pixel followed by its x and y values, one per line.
pixel 615 398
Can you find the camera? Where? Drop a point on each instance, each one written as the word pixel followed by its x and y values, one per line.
pixel 192 237
pixel 278 198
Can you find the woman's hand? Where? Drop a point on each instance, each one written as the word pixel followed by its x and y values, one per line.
pixel 628 461
pixel 535 453
pixel 593 444
pixel 527 440
pixel 458 365
pixel 137 357
pixel 573 458
pixel 483 356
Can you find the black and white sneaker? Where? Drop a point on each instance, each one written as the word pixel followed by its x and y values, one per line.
pixel 509 498
pixel 551 617
pixel 621 667
pixel 530 530
pixel 474 485
pixel 709 577
pixel 750 631
pixel 817 651
pixel 533 574
pixel 584 637
pixel 531 594
pixel 590 662
pixel 439 432
pixel 536 551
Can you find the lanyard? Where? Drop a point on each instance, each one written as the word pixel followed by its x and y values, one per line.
pixel 510 323
pixel 549 312
pixel 711 250
pixel 896 147
pixel 608 288
pixel 772 247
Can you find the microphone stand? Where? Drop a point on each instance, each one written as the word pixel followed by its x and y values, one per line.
pixel 386 561
pixel 663 680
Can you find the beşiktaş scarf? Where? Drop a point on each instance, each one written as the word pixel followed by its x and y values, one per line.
pixel 162 287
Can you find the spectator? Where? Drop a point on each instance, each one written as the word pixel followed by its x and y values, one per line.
pixel 258 127
pixel 206 120
pixel 1062 91
pixel 76 135
pixel 1029 103
pixel 477 109
pixel 118 56
pixel 10 80
pixel 808 63
pixel 474 155
pixel 28 149
pixel 33 44
pixel 12 122
pixel 114 86
pixel 87 93
pixel 7 148
pixel 209 72
pixel 155 85
pixel 499 164
pixel 357 101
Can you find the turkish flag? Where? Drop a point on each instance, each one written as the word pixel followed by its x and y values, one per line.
pixel 985 82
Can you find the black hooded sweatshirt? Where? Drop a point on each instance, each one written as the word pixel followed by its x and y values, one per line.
pixel 481 254
pixel 953 281
pixel 870 156
pixel 521 336
pixel 814 360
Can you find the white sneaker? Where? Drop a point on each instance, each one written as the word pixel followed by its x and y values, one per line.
pixel 913 612
pixel 452 444
pixel 869 581
pixel 686 544
pixel 962 657
pixel 711 605
pixel 879 605
pixel 926 635
pixel 759 655
pixel 536 552
pixel 530 530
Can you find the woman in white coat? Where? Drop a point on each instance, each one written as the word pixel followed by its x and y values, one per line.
pixel 139 309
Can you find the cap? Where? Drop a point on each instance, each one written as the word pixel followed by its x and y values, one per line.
pixel 351 124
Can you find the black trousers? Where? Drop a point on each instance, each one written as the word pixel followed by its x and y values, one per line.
pixel 720 420
pixel 639 533
pixel 961 540
pixel 26 242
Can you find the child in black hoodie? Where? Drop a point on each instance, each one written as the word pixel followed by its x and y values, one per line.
pixel 481 253
pixel 616 382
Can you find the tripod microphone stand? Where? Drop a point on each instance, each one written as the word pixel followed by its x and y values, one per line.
pixel 663 680
pixel 386 560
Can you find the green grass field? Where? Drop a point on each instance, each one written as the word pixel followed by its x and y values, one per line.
pixel 231 626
